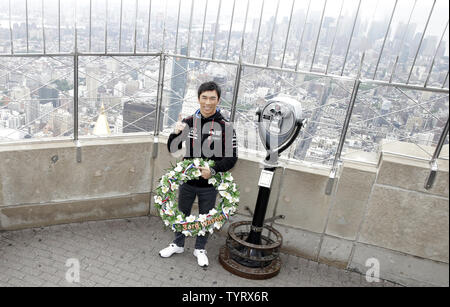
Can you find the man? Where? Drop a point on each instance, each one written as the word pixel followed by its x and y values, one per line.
pixel 207 135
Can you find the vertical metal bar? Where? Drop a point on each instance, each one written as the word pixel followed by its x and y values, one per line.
pixel 420 43
pixel 394 67
pixel 334 38
pixel 43 27
pixel 301 37
pixel 347 120
pixel 26 17
pixel 10 29
pixel 135 27
pixel 237 81
pixel 75 97
pixel 345 126
pixel 164 27
pixel 90 24
pixel 203 30
pixel 287 34
pixel 259 30
pixel 190 29
pixel 385 38
pixel 243 32
pixel 435 54
pixel 217 30
pixel 106 27
pixel 318 35
pixel 433 163
pixel 273 32
pixel 445 80
pixel 178 25
pixel 402 42
pixel 75 31
pixel 162 67
pixel 231 27
pixel 120 27
pixel 148 26
pixel 59 26
pixel 351 38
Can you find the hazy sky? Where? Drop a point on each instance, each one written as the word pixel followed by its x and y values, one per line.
pixel 371 10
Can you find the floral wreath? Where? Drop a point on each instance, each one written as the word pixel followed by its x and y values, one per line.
pixel 167 205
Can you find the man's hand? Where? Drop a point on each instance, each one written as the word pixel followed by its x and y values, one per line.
pixel 206 172
pixel 179 125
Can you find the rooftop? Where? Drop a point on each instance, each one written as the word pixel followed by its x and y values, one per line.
pixel 89 91
pixel 124 252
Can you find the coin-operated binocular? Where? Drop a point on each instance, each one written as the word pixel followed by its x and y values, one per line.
pixel 249 252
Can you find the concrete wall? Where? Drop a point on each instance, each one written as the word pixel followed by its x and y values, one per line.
pixel 378 209
pixel 43 184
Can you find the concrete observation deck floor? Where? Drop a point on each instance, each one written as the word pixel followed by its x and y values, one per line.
pixel 124 252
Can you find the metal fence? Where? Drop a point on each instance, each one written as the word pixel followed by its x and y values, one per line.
pixel 315 44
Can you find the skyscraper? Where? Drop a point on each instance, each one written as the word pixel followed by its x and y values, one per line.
pixel 178 87
pixel 92 82
pixel 139 117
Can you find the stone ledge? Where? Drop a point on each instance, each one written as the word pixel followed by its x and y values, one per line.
pixel 410 222
pixel 401 268
pixel 39 215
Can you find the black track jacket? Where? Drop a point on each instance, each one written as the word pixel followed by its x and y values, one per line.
pixel 217 142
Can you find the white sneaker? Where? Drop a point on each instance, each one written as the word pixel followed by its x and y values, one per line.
pixel 202 259
pixel 170 250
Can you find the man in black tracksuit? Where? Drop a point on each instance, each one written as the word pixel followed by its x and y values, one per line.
pixel 206 135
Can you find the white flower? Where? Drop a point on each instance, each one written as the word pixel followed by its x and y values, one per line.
pixel 171 173
pixel 226 210
pixel 158 199
pixel 202 232
pixel 212 211
pixel 229 177
pixel 161 212
pixel 234 187
pixel 223 186
pixel 225 194
pixel 179 219
pixel 197 173
pixel 186 233
pixel 164 189
pixel 190 218
pixel 197 162
pixel 235 199
pixel 178 169
pixel 217 225
pixel 166 223
pixel 169 212
pixel 174 186
pixel 212 181
pixel 211 230
pixel 169 204
pixel 202 218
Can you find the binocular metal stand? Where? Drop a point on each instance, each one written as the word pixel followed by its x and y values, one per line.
pixel 252 248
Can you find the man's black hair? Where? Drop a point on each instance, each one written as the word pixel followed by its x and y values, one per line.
pixel 209 86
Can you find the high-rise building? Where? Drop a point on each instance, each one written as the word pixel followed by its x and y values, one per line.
pixel 62 123
pixel 32 109
pixel 178 87
pixel 139 117
pixel 92 81
pixel 47 94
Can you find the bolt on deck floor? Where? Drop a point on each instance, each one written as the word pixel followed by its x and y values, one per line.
pixel 124 252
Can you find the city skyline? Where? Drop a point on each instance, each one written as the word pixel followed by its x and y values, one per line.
pixel 37 100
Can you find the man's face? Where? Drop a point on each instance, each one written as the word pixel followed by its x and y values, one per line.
pixel 208 102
